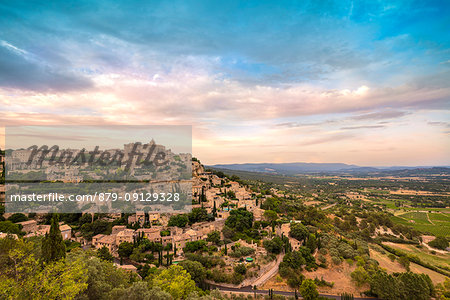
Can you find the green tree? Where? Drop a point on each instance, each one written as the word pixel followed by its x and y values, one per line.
pixel 308 290
pixel 440 243
pixel 86 218
pixel 385 286
pixel 240 269
pixel 419 285
pixel 360 276
pixel 198 214
pixel 179 220
pixel 295 281
pixel 270 215
pixel 139 291
pixel 240 220
pixel 195 246
pixel 214 210
pixel 9 227
pixel 231 195
pixel 103 253
pixel 274 246
pixel 311 242
pixel 298 231
pixel 60 280
pixel 53 246
pixel 214 237
pixel 23 276
pixel 125 249
pixel 195 269
pixel 17 217
pixel 176 281
pixel 404 261
pixel 102 276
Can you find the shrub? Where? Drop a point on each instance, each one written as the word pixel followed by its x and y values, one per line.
pixel 240 269
pixel 323 282
pixel 273 246
pixel 322 259
pixel 242 251
pixel 336 260
pixel 195 246
pixel 360 276
pixel 237 278
pixel 346 251
pixel 404 261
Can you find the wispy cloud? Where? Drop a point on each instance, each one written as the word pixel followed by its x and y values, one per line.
pixel 362 127
pixel 389 114
pixel 241 74
pixel 20 69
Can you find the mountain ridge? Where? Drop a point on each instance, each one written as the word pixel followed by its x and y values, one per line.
pixel 301 167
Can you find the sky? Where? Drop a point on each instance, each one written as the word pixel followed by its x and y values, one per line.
pixel 358 82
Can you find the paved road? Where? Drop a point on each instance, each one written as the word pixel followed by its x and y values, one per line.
pixel 248 289
pixel 269 274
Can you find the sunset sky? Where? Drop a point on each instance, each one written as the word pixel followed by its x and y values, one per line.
pixel 358 82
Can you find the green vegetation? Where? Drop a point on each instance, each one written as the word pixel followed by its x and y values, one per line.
pixel 195 246
pixel 341 218
pixel 214 237
pixel 176 281
pixel 439 260
pixel 241 251
pixel 239 225
pixel 179 220
pixel 274 245
pixel 416 259
pixel 53 246
pixel 10 227
pixel 17 217
pixel 440 243
pixel 401 285
pixel 83 275
pixel 308 290
pixel 103 253
pixel 298 231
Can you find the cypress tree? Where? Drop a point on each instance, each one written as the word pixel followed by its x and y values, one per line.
pixel 53 247
pixel 214 210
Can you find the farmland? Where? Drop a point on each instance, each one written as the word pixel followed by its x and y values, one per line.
pixel 434 223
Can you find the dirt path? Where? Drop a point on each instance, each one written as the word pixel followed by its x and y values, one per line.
pixel 328 206
pixel 429 220
pixel 434 249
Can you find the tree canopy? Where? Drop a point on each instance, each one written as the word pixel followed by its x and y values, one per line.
pixel 176 281
pixel 53 246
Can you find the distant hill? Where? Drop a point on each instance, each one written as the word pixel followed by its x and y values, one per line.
pixel 288 168
pixel 299 168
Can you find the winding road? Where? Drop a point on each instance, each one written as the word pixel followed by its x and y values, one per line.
pixel 248 289
pixel 269 274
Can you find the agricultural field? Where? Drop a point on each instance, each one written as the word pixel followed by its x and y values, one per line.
pixel 435 223
pixel 394 266
pixel 438 259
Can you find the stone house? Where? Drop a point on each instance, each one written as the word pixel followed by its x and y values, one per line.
pixel 29 226
pixel 66 231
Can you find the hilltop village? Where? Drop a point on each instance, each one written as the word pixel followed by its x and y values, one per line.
pixel 214 198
